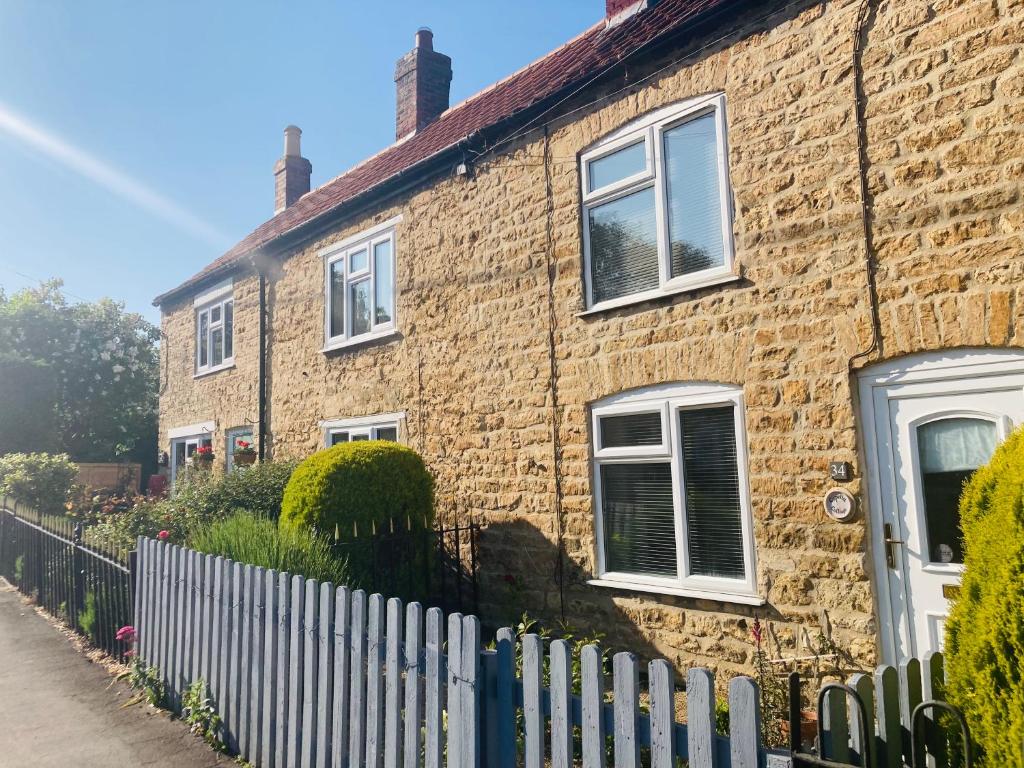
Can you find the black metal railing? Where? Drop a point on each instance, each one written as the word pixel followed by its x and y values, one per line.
pixel 89 587
pixel 436 566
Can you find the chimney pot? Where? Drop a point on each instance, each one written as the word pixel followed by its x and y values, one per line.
pixel 292 141
pixel 291 172
pixel 423 79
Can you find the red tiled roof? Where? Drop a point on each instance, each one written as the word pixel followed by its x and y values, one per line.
pixel 587 55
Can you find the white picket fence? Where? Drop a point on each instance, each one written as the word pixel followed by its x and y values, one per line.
pixel 312 675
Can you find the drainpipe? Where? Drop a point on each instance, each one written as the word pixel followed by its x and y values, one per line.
pixel 262 417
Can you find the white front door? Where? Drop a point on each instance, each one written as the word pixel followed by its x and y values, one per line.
pixel 933 426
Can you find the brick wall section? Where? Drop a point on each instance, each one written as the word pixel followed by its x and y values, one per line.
pixel 422 83
pixel 472 369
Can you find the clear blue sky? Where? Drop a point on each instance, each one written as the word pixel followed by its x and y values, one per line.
pixel 137 138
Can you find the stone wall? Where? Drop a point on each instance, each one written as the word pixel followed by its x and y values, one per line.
pixel 228 397
pixel 495 368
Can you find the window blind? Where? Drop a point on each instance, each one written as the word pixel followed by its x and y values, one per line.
pixel 639 528
pixel 711 483
pixel 631 430
pixel 694 197
pixel 624 246
pixel 229 329
pixel 338 298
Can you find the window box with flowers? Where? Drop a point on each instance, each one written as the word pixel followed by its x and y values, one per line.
pixel 203 457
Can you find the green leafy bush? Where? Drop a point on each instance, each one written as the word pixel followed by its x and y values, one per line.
pixel 246 538
pixel 199 501
pixel 43 481
pixel 985 631
pixel 258 489
pixel 352 486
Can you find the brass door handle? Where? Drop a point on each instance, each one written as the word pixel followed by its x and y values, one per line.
pixel 890 553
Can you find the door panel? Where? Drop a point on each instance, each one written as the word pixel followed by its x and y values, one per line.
pixel 937 435
pixel 939 441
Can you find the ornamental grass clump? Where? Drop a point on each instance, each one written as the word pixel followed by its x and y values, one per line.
pixel 985 631
pixel 253 540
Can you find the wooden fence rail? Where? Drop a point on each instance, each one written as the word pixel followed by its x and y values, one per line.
pixel 315 675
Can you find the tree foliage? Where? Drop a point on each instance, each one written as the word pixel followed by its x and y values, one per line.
pixel 102 364
pixel 985 631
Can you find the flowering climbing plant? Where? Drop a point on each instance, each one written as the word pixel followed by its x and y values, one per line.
pixel 94 371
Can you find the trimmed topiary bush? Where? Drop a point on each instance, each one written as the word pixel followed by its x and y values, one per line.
pixel 985 631
pixel 346 489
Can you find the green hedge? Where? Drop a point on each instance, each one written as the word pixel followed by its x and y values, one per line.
pixel 346 489
pixel 985 631
pixel 43 481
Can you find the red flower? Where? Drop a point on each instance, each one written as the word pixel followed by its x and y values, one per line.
pixel 757 632
pixel 510 579
pixel 204 450
pixel 164 535
pixel 127 634
pixel 242 443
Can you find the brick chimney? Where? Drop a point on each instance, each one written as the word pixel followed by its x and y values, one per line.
pixel 422 81
pixel 291 172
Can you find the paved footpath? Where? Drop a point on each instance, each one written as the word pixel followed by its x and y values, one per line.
pixel 59 709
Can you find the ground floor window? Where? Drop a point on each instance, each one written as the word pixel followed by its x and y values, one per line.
pixel 381 427
pixel 670 490
pixel 182 450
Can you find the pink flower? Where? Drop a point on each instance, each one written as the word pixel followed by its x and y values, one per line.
pixel 126 634
pixel 757 632
pixel 164 535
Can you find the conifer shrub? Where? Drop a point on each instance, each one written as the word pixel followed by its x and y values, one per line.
pixel 985 630
pixel 350 489
pixel 354 493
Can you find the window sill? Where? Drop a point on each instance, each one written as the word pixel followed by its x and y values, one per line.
pixel 741 598
pixel 366 338
pixel 211 371
pixel 704 281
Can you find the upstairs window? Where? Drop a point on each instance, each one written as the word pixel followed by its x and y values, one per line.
pixel 656 211
pixel 360 288
pixel 215 330
pixel 670 492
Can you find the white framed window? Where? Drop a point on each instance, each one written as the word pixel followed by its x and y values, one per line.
pixel 359 287
pixel 182 450
pixel 215 329
pixel 657 212
pixel 384 426
pixel 671 497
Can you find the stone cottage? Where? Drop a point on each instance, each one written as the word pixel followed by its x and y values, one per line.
pixel 705 315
